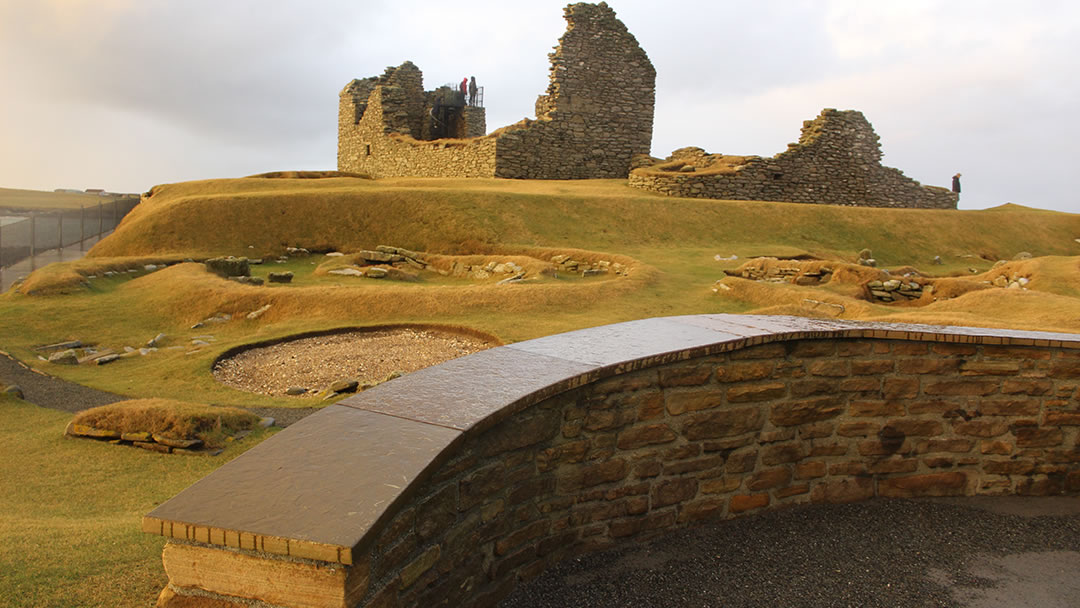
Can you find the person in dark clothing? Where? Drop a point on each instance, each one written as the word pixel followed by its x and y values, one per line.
pixel 472 91
pixel 956 183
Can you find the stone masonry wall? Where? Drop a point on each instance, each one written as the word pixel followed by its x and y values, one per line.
pixel 597 112
pixel 836 161
pixel 719 437
pixel 652 440
pixel 596 115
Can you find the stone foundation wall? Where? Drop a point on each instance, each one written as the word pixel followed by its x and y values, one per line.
pixel 658 439
pixel 836 161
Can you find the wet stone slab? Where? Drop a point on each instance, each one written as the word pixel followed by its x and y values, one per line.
pixel 325 479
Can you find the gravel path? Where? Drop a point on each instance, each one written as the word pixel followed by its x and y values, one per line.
pixel 51 392
pixel 886 553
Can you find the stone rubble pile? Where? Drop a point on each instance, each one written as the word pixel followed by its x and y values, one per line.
pixel 897 290
pixel 569 264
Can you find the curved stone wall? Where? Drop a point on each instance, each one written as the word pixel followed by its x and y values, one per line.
pixel 450 485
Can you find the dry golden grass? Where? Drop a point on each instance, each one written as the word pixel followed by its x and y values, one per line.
pixel 69 277
pixel 307 175
pixel 170 418
pixel 710 164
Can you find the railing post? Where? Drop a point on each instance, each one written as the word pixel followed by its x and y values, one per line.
pixel 33 234
pixel 115 220
pixel 82 227
pixel 100 216
pixel 60 231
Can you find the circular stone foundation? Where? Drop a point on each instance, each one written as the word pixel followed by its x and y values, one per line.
pixel 314 362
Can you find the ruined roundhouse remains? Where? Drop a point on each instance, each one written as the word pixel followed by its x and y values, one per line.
pixel 596 114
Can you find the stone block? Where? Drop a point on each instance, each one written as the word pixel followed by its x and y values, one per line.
pixel 810 470
pixel 653 521
pixel 722 423
pixel 685 375
pixel 985 429
pixel 967 388
pixel 872 367
pixel 843 490
pixel 587 476
pixel 1026 387
pixel 782 453
pixel 745 372
pixel 640 436
pixel 812 387
pixel 692 401
pixel 741 503
pixel 900 388
pixel 700 509
pixel 721 485
pixel 674 491
pixel 768 479
pixel 1038 437
pixel 930 484
pixel 694 466
pixel 273 581
pixel 749 393
pixel 861 409
pixel 794 413
pixel 832 368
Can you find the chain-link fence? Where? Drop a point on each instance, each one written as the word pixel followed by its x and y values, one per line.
pixel 24 236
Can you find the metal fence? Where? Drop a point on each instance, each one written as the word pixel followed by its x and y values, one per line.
pixel 23 236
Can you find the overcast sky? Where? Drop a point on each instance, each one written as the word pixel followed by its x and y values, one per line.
pixel 125 94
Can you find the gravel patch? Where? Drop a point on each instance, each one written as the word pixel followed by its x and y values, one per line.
pixel 368 356
pixel 885 553
pixel 53 393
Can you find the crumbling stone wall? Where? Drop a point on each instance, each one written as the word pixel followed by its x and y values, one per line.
pixel 837 160
pixel 597 112
pixel 596 115
pixel 383 122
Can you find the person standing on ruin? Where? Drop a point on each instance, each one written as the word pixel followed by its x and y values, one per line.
pixel 472 91
pixel 956 183
pixel 465 88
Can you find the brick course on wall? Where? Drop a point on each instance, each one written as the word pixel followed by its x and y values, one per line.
pixel 643 439
pixel 596 115
pixel 837 160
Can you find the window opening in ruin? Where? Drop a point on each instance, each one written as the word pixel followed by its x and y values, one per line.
pixel 777 175
pixel 367 149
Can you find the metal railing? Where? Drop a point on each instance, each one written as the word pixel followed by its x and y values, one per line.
pixel 25 237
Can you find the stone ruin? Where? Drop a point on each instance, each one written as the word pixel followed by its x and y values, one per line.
pixel 595 121
pixel 837 160
pixel 596 114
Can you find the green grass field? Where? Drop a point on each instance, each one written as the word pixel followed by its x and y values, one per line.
pixel 71 531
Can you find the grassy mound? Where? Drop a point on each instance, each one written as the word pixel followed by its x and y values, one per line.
pixel 308 175
pixel 169 418
pixel 260 217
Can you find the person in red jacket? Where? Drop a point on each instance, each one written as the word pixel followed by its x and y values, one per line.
pixel 465 88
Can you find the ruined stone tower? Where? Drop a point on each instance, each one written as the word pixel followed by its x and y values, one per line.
pixel 596 114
